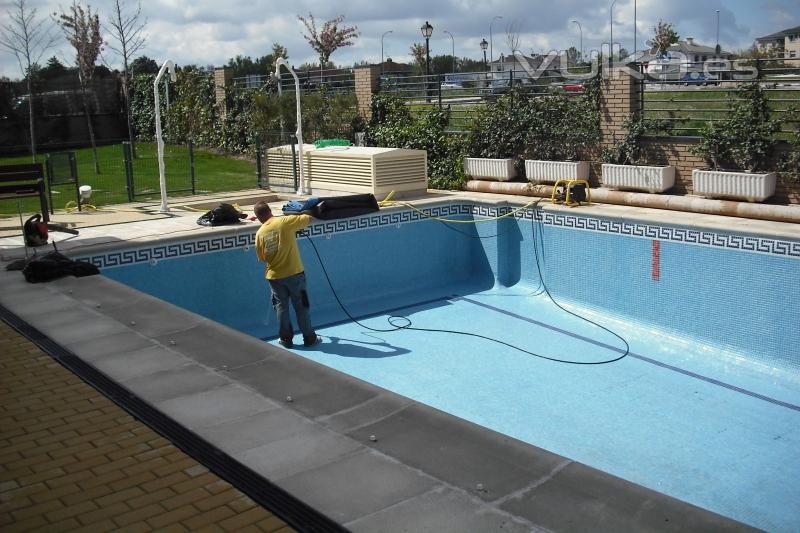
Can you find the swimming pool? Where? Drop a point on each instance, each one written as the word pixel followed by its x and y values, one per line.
pixel 704 408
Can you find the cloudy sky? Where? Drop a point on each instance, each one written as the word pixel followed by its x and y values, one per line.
pixel 209 32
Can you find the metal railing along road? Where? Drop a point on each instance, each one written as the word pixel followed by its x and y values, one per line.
pixel 691 95
pixel 331 81
pixel 465 93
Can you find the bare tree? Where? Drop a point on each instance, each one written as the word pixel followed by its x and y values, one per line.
pixel 127 30
pixel 82 29
pixel 28 38
pixel 330 38
pixel 512 35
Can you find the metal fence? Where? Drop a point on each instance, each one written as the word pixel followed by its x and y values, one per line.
pixel 330 81
pixel 465 93
pixel 690 95
pixel 123 173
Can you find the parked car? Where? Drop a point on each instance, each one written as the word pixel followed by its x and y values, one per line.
pixel 496 87
pixel 698 78
pixel 451 85
pixel 567 86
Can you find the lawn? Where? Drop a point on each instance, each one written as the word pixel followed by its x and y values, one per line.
pixel 213 173
pixel 689 110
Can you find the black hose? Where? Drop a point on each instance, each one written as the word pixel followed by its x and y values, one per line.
pixel 394 318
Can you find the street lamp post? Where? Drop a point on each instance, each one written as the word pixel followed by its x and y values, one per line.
pixel 453 42
pixel 484 46
pixel 580 30
pixel 491 40
pixel 634 28
pixel 382 36
pixel 611 43
pixel 717 49
pixel 427 30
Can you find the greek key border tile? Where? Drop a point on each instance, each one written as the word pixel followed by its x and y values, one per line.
pixel 744 243
pixel 152 254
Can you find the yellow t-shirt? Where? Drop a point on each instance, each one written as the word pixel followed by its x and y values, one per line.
pixel 276 245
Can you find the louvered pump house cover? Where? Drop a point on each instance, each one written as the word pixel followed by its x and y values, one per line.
pixel 352 169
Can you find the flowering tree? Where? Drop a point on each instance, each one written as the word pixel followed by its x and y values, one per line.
pixel 82 30
pixel 330 38
pixel 664 37
pixel 417 51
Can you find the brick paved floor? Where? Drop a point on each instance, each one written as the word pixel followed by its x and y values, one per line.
pixel 72 460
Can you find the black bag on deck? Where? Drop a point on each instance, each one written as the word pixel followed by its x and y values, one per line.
pixel 344 206
pixel 54 265
pixel 221 216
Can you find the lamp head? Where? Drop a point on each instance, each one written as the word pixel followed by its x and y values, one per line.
pixel 427 30
pixel 484 44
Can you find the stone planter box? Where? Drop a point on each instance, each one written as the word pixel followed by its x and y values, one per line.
pixel 638 177
pixel 552 171
pixel 490 169
pixel 749 186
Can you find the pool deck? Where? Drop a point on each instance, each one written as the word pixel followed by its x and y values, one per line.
pixel 364 457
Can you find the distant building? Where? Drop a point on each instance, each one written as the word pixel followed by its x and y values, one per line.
pixel 525 66
pixel 786 43
pixel 697 53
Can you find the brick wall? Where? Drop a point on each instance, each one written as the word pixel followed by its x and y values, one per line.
pixel 620 98
pixel 366 79
pixel 223 77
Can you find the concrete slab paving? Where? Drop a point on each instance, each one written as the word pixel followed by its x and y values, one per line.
pixel 309 447
pixel 358 485
pixel 441 510
pixel 368 412
pixel 144 362
pixel 313 388
pixel 457 454
pixel 256 430
pixel 216 346
pixel 96 292
pixel 99 346
pixel 74 324
pixel 149 317
pixel 216 406
pixel 579 498
pixel 175 382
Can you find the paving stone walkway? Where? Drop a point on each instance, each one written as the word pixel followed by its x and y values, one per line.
pixel 72 460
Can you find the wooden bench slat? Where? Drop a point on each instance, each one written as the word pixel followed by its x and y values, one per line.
pixel 25 180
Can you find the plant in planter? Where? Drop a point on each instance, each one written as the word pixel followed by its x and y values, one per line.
pixel 790 162
pixel 560 130
pixel 744 141
pixel 624 162
pixel 497 138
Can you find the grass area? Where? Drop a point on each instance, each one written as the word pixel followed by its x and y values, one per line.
pixel 689 110
pixel 213 173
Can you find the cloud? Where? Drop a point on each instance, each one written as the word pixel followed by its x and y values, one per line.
pixel 206 32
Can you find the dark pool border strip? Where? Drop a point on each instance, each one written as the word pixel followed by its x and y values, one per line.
pixel 291 510
pixel 632 354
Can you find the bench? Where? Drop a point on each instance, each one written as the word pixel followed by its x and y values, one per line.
pixel 24 181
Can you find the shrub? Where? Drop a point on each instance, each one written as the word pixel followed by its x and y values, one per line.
pixel 392 125
pixel 746 138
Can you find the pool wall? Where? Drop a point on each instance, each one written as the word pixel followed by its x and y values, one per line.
pixel 734 291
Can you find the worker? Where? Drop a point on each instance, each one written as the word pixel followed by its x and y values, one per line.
pixel 276 245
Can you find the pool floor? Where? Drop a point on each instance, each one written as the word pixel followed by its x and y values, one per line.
pixel 705 426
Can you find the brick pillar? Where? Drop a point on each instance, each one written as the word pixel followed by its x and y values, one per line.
pixel 223 77
pixel 366 85
pixel 620 98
